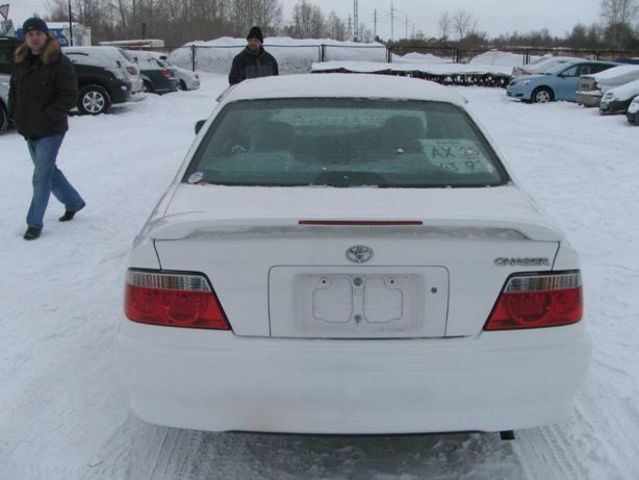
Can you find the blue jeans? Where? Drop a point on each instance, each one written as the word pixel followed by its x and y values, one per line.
pixel 47 179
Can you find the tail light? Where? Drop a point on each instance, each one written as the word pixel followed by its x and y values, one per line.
pixel 538 300
pixel 132 70
pixel 167 73
pixel 173 300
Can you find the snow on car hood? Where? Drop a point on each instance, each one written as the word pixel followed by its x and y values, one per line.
pixel 624 92
pixel 195 207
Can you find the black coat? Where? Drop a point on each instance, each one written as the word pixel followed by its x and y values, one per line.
pixel 248 64
pixel 43 89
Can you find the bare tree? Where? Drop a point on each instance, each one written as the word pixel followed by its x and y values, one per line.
pixel 619 11
pixel 618 16
pixel 445 25
pixel 336 28
pixel 462 23
pixel 308 20
pixel 58 11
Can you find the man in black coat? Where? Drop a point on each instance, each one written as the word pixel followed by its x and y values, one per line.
pixel 42 91
pixel 253 61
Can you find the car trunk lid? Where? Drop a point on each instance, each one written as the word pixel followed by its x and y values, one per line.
pixel 282 264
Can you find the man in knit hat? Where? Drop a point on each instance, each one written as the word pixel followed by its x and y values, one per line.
pixel 253 61
pixel 43 89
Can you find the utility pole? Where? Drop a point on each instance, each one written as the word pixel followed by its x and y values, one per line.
pixel 375 24
pixel 356 20
pixel 392 21
pixel 406 28
pixel 350 26
pixel 70 23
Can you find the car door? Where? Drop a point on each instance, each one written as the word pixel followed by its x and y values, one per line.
pixel 567 83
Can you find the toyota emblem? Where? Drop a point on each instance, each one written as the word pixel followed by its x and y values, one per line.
pixel 359 253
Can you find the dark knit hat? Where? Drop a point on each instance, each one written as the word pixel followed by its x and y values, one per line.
pixel 35 23
pixel 255 32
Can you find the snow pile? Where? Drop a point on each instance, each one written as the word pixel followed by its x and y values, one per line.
pixel 415 57
pixel 292 55
pixel 501 59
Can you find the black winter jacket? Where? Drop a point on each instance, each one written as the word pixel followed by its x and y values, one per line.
pixel 248 64
pixel 42 91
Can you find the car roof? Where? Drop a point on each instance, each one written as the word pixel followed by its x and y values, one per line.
pixel 342 85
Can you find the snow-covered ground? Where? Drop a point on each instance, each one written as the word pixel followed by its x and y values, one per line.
pixel 63 412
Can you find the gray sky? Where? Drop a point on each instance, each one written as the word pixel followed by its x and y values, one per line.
pixel 493 16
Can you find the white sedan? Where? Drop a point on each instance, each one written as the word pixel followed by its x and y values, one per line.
pixel 348 254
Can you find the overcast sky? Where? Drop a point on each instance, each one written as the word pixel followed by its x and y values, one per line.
pixel 493 16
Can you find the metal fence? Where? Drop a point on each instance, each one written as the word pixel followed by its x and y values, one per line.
pixel 218 58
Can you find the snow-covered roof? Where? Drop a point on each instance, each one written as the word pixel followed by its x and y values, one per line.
pixel 629 70
pixel 56 25
pixel 340 85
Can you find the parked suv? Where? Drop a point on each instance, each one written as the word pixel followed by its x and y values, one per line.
pixel 101 84
pixel 4 102
pixel 7 47
pixel 100 88
pixel 111 58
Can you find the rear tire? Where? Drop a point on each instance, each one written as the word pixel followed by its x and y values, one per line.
pixel 182 85
pixel 542 95
pixel 148 87
pixel 4 118
pixel 93 100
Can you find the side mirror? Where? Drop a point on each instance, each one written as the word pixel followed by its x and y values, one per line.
pixel 198 126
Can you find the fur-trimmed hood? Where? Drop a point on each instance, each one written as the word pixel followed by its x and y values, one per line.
pixel 50 54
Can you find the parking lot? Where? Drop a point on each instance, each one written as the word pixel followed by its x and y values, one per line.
pixel 64 413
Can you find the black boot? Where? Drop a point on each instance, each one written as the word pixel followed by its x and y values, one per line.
pixel 69 214
pixel 32 233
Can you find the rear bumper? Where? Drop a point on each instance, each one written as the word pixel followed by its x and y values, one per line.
pixel 588 99
pixel 210 380
pixel 120 92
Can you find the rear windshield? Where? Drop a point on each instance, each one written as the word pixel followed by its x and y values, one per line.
pixel 344 143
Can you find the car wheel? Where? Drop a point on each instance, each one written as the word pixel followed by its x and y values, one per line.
pixel 93 100
pixel 182 85
pixel 542 95
pixel 148 88
pixel 4 119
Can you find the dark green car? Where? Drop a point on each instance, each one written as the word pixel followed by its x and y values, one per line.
pixel 157 76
